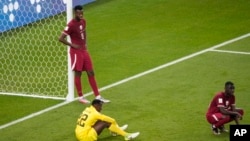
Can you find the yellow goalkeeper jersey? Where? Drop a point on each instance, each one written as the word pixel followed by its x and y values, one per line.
pixel 87 119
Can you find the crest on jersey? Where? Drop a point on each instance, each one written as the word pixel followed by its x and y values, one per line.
pixel 80 27
pixel 66 28
pixel 220 100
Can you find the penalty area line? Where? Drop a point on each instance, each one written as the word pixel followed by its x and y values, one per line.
pixel 128 79
pixel 176 61
pixel 234 52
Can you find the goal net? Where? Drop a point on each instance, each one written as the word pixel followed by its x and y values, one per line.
pixel 32 60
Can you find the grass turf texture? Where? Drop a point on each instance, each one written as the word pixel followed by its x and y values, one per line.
pixel 13 107
pixel 127 37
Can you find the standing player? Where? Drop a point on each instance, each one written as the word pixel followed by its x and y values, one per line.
pixel 91 123
pixel 222 109
pixel 80 58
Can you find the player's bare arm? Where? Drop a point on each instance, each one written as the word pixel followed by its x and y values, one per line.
pixel 62 39
pixel 226 112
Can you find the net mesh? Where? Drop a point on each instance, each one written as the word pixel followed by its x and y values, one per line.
pixel 33 61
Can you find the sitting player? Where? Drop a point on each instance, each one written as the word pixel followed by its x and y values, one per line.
pixel 91 123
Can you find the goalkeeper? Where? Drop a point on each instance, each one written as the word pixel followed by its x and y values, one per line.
pixel 91 123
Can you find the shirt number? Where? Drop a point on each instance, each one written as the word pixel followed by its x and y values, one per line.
pixel 82 120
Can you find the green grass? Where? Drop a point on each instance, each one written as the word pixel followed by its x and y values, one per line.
pixel 14 107
pixel 127 37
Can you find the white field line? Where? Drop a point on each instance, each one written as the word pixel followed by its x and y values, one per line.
pixel 235 52
pixel 176 61
pixel 33 96
pixel 130 78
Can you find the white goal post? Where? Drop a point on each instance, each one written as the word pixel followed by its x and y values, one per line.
pixel 32 61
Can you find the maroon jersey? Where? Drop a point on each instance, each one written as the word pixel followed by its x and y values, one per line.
pixel 221 100
pixel 76 30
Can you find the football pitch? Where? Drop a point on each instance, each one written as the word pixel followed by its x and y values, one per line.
pixel 159 62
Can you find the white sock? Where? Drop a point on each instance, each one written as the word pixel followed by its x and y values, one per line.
pixel 98 97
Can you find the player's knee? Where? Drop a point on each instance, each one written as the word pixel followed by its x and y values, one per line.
pixel 78 73
pixel 90 73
